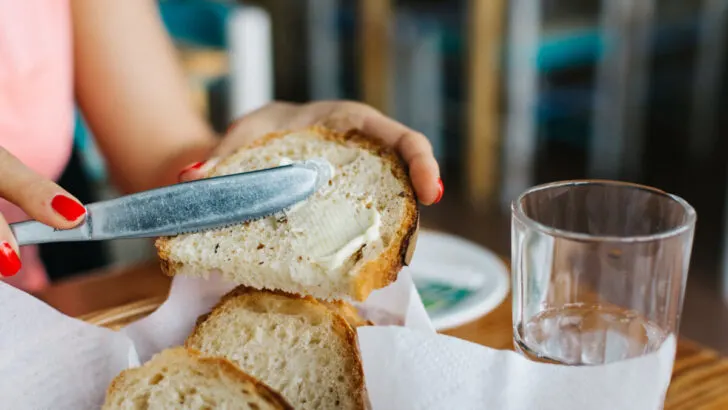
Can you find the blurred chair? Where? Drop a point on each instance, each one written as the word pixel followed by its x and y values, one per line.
pixel 622 39
pixel 483 147
pixel 710 67
pixel 324 54
pixel 250 46
pixel 418 59
pixel 375 34
pixel 617 142
pixel 709 72
pixel 520 128
pixel 243 33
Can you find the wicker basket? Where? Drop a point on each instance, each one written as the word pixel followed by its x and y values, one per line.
pixel 121 316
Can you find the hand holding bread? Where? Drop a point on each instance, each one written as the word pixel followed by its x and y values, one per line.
pixel 340 116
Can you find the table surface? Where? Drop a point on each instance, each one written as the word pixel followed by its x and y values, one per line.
pixel 699 381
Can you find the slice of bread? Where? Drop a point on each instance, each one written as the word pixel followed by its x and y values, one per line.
pixel 328 246
pixel 179 378
pixel 294 344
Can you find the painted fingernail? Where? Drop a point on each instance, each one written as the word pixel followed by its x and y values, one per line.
pixel 67 207
pixel 188 168
pixel 441 190
pixel 232 125
pixel 9 260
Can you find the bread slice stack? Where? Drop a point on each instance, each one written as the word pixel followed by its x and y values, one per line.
pixel 179 378
pixel 289 322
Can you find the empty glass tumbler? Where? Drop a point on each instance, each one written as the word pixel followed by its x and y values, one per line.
pixel 599 270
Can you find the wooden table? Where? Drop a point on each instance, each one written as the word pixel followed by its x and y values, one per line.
pixel 116 297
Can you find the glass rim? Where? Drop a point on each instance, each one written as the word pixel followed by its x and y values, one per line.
pixel 518 213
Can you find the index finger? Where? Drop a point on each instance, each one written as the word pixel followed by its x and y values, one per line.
pixel 40 198
pixel 416 151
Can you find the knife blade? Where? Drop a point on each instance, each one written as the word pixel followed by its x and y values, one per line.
pixel 188 207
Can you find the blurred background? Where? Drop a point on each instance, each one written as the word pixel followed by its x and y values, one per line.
pixel 511 93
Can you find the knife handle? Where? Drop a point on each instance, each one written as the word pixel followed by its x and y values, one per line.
pixel 34 232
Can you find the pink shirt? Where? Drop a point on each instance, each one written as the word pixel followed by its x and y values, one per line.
pixel 36 101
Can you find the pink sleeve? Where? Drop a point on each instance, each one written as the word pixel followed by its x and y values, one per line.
pixel 36 99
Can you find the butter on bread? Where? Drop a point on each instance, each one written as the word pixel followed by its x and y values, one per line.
pixel 297 345
pixel 294 252
pixel 179 378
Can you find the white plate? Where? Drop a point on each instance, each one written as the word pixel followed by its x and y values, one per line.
pixel 458 280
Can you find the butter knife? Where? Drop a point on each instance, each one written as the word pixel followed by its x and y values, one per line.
pixel 188 207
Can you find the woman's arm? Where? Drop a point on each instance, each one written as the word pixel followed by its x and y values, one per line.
pixel 133 93
pixel 135 99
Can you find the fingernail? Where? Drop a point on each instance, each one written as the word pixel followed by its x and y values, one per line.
pixel 188 168
pixel 67 207
pixel 441 190
pixel 9 260
pixel 232 125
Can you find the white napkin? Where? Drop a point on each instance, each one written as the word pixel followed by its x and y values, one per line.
pixel 51 361
pixel 171 324
pixel 408 369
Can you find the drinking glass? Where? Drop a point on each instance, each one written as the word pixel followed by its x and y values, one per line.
pixel 599 270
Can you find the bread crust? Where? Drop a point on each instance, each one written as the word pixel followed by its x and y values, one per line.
pixel 374 274
pixel 261 389
pixel 348 312
pixel 340 325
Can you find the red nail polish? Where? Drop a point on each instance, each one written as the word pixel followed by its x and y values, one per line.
pixel 188 168
pixel 67 207
pixel 441 190
pixel 232 125
pixel 9 260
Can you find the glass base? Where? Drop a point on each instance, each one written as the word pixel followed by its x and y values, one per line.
pixel 587 334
